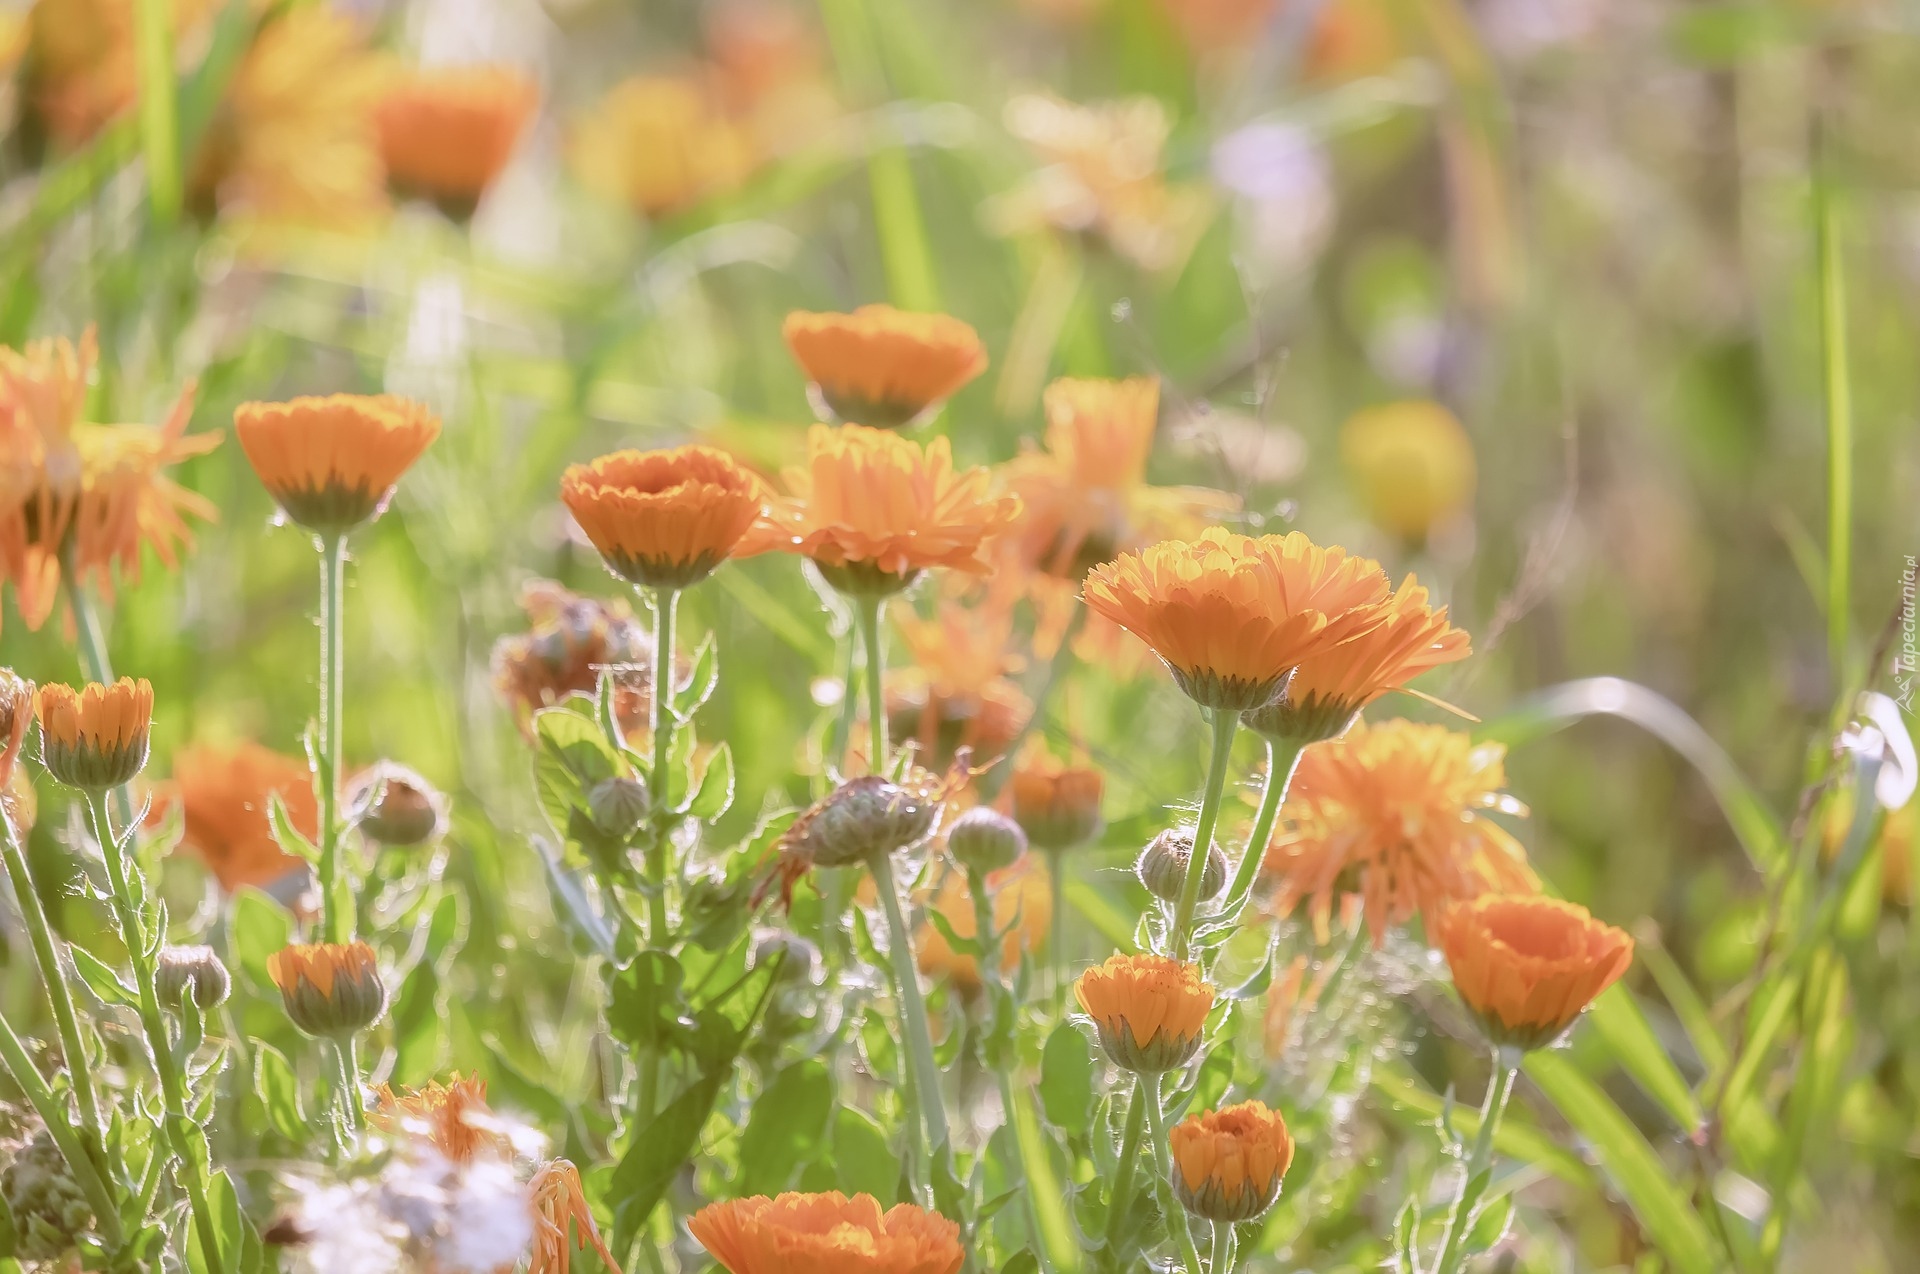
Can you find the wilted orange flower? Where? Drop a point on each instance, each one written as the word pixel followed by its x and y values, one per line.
pixel 660 144
pixel 1412 464
pixel 16 717
pixel 1232 616
pixel 332 462
pixel 571 639
pixel 1328 689
pixel 1529 965
pixel 453 1116
pixel 1148 1010
pixel 562 1220
pixel 664 519
pixel 956 693
pixel 1057 805
pixel 224 795
pixel 1020 894
pixel 329 988
pixel 882 367
pixel 95 738
pixel 447 131
pixel 826 1234
pixel 1228 1162
pixel 873 510
pixel 1395 816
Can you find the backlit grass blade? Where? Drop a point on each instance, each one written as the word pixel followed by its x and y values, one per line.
pixel 159 128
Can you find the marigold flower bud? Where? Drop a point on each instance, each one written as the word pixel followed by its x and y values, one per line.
pixel 1228 1163
pixel 985 840
pixel 1057 806
pixel 1527 966
pixel 617 806
pixel 396 806
pixel 195 971
pixel 95 738
pixel 1148 1010
pixel 1162 867
pixel 329 989
pixel 862 818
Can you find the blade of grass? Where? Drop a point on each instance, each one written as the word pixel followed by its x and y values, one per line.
pixel 159 125
pixel 1049 1209
pixel 1623 1025
pixel 1837 393
pixel 1514 1139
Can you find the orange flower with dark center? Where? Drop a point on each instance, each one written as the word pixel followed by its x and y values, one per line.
pixel 225 794
pixel 882 367
pixel 16 717
pixel 1228 1162
pixel 956 692
pixel 447 131
pixel 562 1220
pixel 95 738
pixel 1529 965
pixel 1395 818
pixel 826 1234
pixel 873 510
pixel 570 640
pixel 1057 805
pixel 1148 1010
pixel 329 988
pixel 332 462
pixel 1021 898
pixel 1232 616
pixel 1327 690
pixel 453 1116
pixel 665 519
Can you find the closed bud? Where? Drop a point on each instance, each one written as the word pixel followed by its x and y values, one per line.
pixel 329 989
pixel 799 959
pixel 860 819
pixel 618 806
pixel 395 806
pixel 985 840
pixel 1163 865
pixel 195 971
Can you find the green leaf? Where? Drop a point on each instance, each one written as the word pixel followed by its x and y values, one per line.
pixel 1066 1081
pixel 285 834
pixel 865 1163
pixel 1619 1021
pixel 1046 1197
pixel 786 1127
pixel 241 1251
pixel 645 1005
pixel 1022 1262
pixel 689 698
pixel 279 1091
pixel 261 927
pixel 573 756
pixel 715 793
pixel 102 980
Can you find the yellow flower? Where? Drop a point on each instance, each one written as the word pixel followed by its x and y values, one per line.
pixel 826 1234
pixel 447 131
pixel 1149 1011
pixel 562 1220
pixel 1057 805
pixel 332 462
pixel 224 794
pixel 1020 893
pixel 453 1116
pixel 1232 616
pixel 329 988
pixel 95 738
pixel 1412 464
pixel 665 519
pixel 882 367
pixel 1528 966
pixel 1395 816
pixel 1228 1162
pixel 660 144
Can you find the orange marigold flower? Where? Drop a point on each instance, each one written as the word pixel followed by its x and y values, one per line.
pixel 661 144
pixel 1021 899
pixel 1148 1010
pixel 1057 805
pixel 447 131
pixel 1228 1162
pixel 16 717
pixel 1232 616
pixel 883 367
pixel 453 1116
pixel 562 1220
pixel 956 693
pixel 332 462
pixel 1412 464
pixel 329 988
pixel 571 639
pixel 873 510
pixel 225 794
pixel 95 738
pixel 1529 965
pixel 665 519
pixel 1328 690
pixel 826 1234
pixel 1395 817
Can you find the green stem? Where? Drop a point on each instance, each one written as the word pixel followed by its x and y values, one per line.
pixel 1163 1158
pixel 1460 1219
pixel 95 662
pixel 174 1120
pixel 1057 669
pixel 666 607
pixel 1224 724
pixel 913 1010
pixel 1837 392
pixel 1283 758
pixel 346 1071
pixel 841 741
pixel 53 1113
pixel 867 613
pixel 159 130
pixel 1128 1163
pixel 1344 962
pixel 1057 923
pixel 336 903
pixel 1222 1248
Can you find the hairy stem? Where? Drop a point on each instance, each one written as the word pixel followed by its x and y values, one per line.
pixel 1460 1219
pixel 1222 1248
pixel 1163 1159
pixel 1224 725
pixel 1282 759
pixel 867 613
pixel 913 1011
pixel 666 606
pixel 336 902
pixel 1122 1196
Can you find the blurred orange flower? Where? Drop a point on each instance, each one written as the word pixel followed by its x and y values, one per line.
pixel 1412 464
pixel 562 1220
pixel 1057 805
pixel 447 131
pixel 664 519
pixel 770 67
pixel 1020 893
pixel 1395 817
pixel 80 54
pixel 1148 1010
pixel 453 1116
pixel 332 462
pixel 826 1233
pixel 661 144
pixel 956 692
pixel 1228 1162
pixel 882 367
pixel 96 737
pixel 1528 966
pixel 571 639
pixel 224 795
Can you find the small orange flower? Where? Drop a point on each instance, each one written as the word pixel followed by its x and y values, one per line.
pixel 1395 817
pixel 882 367
pixel 453 1116
pixel 1228 1162
pixel 661 144
pixel 447 131
pixel 1329 689
pixel 16 717
pixel 1232 616
pixel 956 692
pixel 1057 805
pixel 873 510
pixel 1148 1010
pixel 1412 464
pixel 95 738
pixel 1529 965
pixel 562 1220
pixel 665 519
pixel 1020 894
pixel 332 462
pixel 329 988
pixel 225 794
pixel 570 639
pixel 826 1234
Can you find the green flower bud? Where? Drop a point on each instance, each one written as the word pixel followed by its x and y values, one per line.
pixel 395 806
pixel 1162 866
pixel 985 840
pixel 191 970
pixel 618 806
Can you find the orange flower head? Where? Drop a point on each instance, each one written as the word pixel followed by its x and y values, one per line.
pixel 882 367
pixel 16 717
pixel 662 144
pixel 665 519
pixel 955 693
pixel 1020 897
pixel 1412 464
pixel 1528 965
pixel 1327 691
pixel 1148 1010
pixel 332 462
pixel 95 738
pixel 1395 817
pixel 453 1116
pixel 329 988
pixel 570 640
pixel 1211 25
pixel 1232 616
pixel 873 510
pixel 1228 1162
pixel 562 1220
pixel 826 1234
pixel 446 132
pixel 1057 805
pixel 225 794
